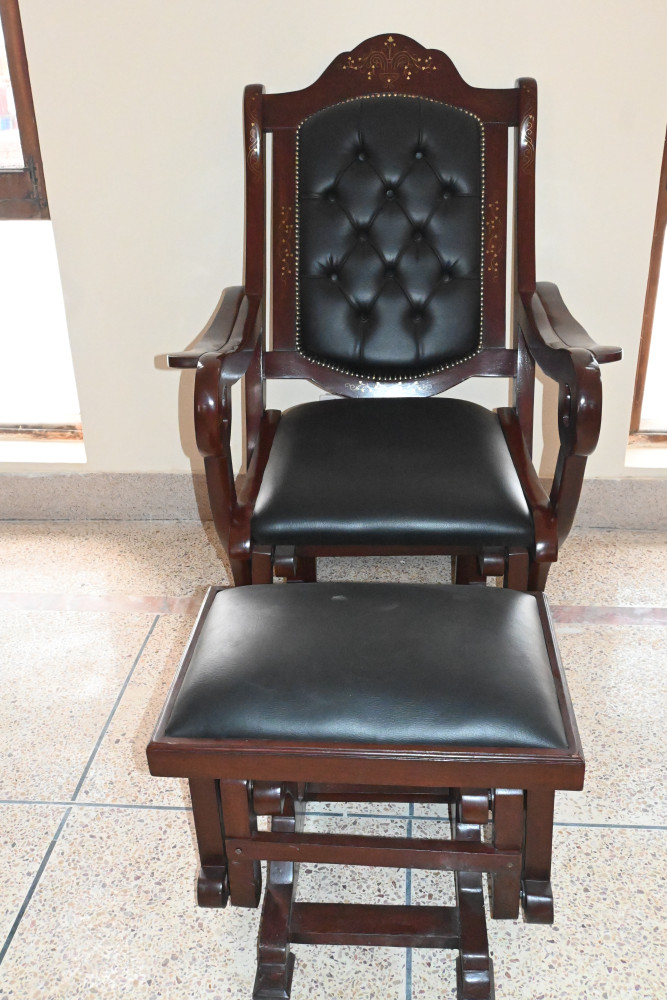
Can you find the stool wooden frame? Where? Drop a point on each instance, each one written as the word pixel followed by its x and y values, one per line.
pixel 233 781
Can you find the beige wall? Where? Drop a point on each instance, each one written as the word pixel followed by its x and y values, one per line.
pixel 138 105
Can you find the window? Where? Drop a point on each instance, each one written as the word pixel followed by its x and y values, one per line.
pixel 649 409
pixel 22 191
pixel 39 407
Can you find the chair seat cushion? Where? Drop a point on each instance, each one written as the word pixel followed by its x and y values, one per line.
pixel 391 472
pixel 371 663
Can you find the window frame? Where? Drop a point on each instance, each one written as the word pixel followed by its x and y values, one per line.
pixel 22 189
pixel 637 435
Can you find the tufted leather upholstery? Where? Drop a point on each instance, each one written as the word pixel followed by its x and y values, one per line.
pixel 391 472
pixel 328 663
pixel 390 193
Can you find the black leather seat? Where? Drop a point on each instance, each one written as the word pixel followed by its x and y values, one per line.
pixel 391 471
pixel 372 663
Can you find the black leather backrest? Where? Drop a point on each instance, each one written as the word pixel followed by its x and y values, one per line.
pixel 390 194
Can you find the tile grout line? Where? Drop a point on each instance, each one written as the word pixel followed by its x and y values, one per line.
pixel 113 711
pixel 404 817
pixel 49 851
pixel 408 902
pixel 33 886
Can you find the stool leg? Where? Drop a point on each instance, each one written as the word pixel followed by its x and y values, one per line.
pixel 538 902
pixel 245 877
pixel 275 963
pixel 212 884
pixel 508 823
pixel 474 968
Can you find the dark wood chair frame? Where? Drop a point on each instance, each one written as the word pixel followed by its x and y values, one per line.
pixel 234 781
pixel 235 344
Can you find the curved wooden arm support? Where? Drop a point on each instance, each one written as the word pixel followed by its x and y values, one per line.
pixel 216 335
pixel 544 518
pixel 217 371
pixel 575 369
pixel 565 327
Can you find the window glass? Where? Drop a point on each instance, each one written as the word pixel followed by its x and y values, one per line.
pixel 11 156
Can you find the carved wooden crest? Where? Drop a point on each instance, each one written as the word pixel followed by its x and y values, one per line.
pixel 390 63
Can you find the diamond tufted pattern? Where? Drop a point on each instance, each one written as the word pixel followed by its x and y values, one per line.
pixel 390 195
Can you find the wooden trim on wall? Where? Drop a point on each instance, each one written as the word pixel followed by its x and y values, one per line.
pixel 22 190
pixel 649 303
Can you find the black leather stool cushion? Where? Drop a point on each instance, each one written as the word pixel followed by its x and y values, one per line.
pixel 389 472
pixel 371 663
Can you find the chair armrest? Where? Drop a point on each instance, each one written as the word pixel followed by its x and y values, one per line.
pixel 217 333
pixel 563 329
pixel 573 367
pixel 565 353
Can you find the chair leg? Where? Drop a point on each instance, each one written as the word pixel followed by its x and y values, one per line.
pixel 466 570
pixel 508 824
pixel 245 877
pixel 305 569
pixel 241 572
pixel 474 968
pixel 537 577
pixel 212 884
pixel 537 897
pixel 262 565
pixel 275 963
pixel 516 570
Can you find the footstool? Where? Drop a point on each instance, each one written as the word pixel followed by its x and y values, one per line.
pixel 372 692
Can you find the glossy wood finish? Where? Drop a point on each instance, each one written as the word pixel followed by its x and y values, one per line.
pixel 237 344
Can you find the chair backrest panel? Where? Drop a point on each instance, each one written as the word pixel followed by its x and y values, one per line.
pixel 389 225
pixel 389 221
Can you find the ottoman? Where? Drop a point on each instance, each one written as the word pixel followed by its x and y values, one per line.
pixel 372 692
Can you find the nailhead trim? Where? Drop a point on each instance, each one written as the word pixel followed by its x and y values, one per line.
pixel 408 375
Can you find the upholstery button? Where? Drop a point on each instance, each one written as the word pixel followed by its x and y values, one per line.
pixel 417 316
pixel 362 235
pixel 361 155
pixel 331 196
pixel 446 193
pixel 419 155
pixel 417 236
pixel 334 276
pixel 389 271
pixel 446 276
pixel 390 193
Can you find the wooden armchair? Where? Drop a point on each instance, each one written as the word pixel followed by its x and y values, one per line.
pixel 387 264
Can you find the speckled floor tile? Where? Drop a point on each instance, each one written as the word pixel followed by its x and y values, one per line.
pixel 110 557
pixel 618 682
pixel 25 833
pixel 598 566
pixel 331 973
pixel 607 942
pixel 386 569
pixel 348 973
pixel 61 675
pixel 115 916
pixel 348 884
pixel 119 772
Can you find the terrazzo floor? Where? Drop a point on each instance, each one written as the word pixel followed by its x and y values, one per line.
pixel 97 859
